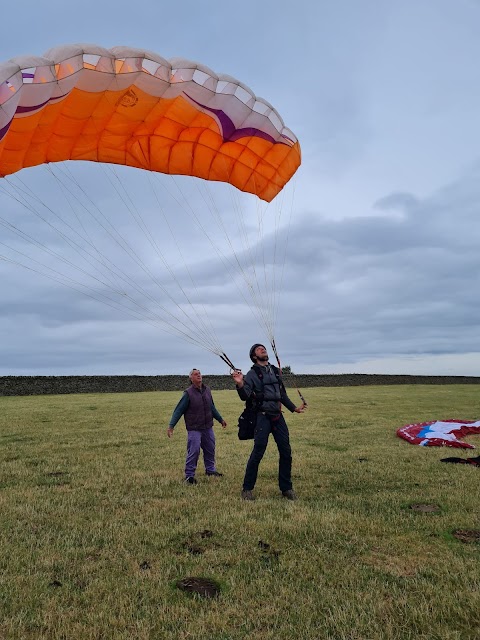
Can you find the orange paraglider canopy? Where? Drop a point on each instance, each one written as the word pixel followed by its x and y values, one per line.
pixel 131 107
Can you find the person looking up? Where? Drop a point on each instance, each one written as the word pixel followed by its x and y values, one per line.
pixel 198 409
pixel 263 390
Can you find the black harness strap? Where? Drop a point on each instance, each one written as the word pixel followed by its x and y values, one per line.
pixel 227 361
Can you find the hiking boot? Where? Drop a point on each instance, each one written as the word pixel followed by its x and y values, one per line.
pixel 190 480
pixel 289 494
pixel 247 495
pixel 217 474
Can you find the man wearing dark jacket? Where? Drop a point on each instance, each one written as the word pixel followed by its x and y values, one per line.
pixel 198 409
pixel 263 389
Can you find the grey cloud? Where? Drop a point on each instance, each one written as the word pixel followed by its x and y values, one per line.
pixel 401 201
pixel 354 288
pixel 413 293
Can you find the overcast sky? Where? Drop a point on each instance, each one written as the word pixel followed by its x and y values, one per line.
pixel 382 266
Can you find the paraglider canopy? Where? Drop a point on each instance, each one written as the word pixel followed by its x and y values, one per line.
pixel 133 107
pixel 440 433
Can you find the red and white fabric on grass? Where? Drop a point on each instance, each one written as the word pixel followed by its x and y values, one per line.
pixel 440 433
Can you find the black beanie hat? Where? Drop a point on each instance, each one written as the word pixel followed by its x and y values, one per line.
pixel 252 350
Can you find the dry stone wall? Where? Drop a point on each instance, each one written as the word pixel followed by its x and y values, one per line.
pixel 43 385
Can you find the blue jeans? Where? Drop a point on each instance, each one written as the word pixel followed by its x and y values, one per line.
pixel 267 425
pixel 205 440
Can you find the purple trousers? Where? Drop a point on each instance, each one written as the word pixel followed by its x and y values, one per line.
pixel 197 440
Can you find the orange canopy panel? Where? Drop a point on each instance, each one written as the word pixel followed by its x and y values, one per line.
pixel 131 107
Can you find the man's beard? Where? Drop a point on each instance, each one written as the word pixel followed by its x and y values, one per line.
pixel 262 359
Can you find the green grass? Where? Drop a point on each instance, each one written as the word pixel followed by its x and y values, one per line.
pixel 96 525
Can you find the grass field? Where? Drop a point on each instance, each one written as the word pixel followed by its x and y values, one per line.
pixel 96 526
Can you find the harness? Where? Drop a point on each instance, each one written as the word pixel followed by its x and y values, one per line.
pixel 256 399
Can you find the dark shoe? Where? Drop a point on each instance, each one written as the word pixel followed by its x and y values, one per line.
pixel 214 473
pixel 289 495
pixel 247 495
pixel 190 480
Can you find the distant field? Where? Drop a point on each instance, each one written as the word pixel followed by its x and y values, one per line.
pixel 97 527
